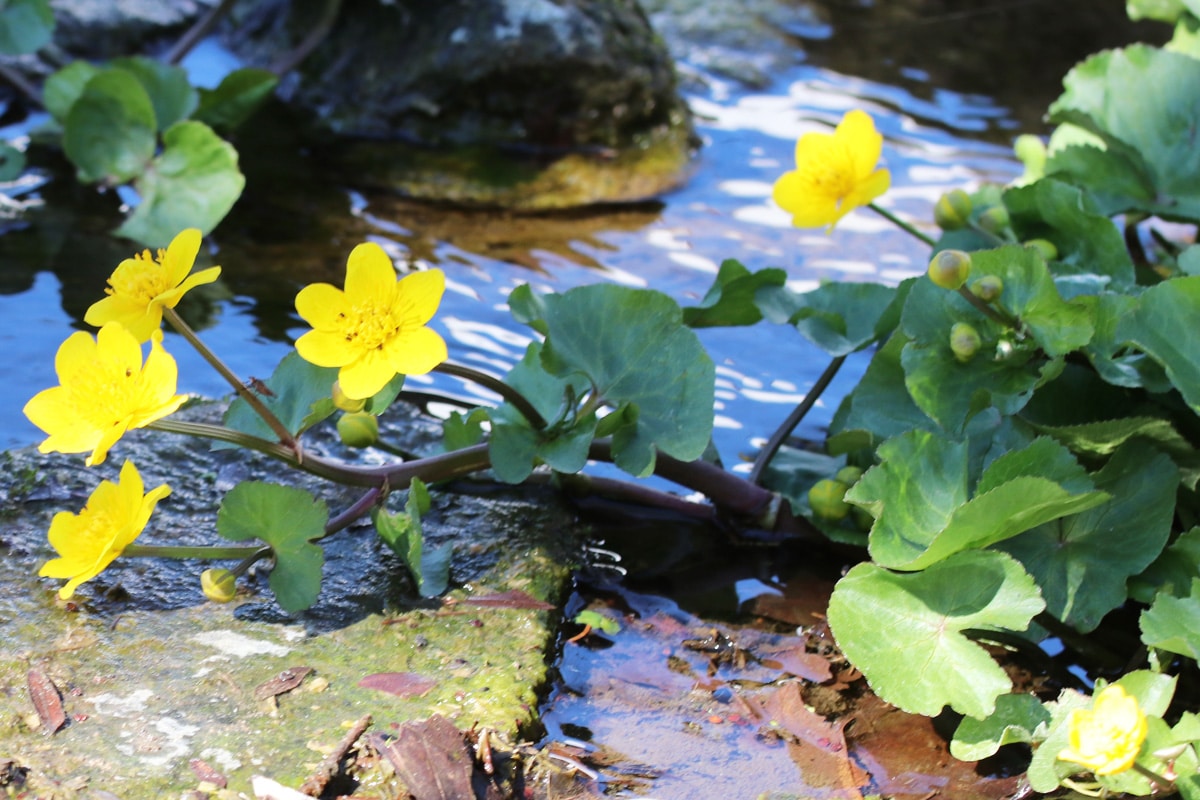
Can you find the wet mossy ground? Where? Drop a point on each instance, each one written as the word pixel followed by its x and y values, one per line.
pixel 153 676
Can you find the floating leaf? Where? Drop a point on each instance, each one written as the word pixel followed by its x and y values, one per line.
pixel 404 535
pixel 882 619
pixel 1173 623
pixel 598 621
pixel 1082 562
pixel 1015 719
pixel 236 98
pixel 109 133
pixel 632 346
pixel 26 26
pixel 192 183
pixel 731 298
pixel 287 519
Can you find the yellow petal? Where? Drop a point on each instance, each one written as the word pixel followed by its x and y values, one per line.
pixel 864 143
pixel 159 377
pixel 116 345
pixel 367 376
pixel 419 294
pixel 321 305
pixel 416 352
pixel 181 256
pixel 865 192
pixel 108 437
pixel 76 354
pixel 195 279
pixel 814 147
pixel 809 207
pixel 326 349
pixel 370 276
pixel 139 318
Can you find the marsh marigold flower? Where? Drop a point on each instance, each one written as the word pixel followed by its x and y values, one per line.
pixel 1108 737
pixel 104 391
pixel 141 287
pixel 375 329
pixel 88 542
pixel 835 173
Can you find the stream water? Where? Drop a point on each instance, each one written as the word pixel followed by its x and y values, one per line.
pixel 947 91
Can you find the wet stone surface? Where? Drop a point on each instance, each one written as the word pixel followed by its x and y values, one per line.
pixel 152 676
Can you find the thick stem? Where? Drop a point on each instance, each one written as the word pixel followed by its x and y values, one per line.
pixel 181 551
pixel 197 32
pixel 23 86
pixel 798 413
pixel 361 506
pixel 901 224
pixel 496 385
pixel 247 394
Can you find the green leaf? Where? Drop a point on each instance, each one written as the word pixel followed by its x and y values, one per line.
pixel 1161 10
pixel 1189 260
pixel 289 520
pixel 919 497
pixel 1116 363
pixel 1082 562
pixel 1173 571
pixel 404 535
pixel 632 346
pixel 238 96
pixel 12 162
pixel 463 430
pixel 598 621
pixel 906 631
pixel 1141 101
pixel 840 318
pixel 1016 718
pixel 64 87
pixel 1103 438
pixel 192 183
pixel 731 299
pixel 1173 623
pixel 26 26
pixel 880 404
pixel 300 397
pixel 1163 325
pixel 109 134
pixel 167 85
pixel 1045 769
pixel 1087 241
pixel 528 308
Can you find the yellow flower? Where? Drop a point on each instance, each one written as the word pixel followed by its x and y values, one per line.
pixel 104 392
pixel 88 542
pixel 375 329
pixel 142 286
pixel 835 173
pixel 1107 738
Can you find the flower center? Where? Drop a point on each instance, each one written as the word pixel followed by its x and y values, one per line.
pixel 371 326
pixel 143 280
pixel 833 177
pixel 106 394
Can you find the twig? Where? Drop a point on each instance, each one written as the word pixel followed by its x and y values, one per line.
pixel 23 86
pixel 197 32
pixel 785 430
pixel 291 60
pixel 315 784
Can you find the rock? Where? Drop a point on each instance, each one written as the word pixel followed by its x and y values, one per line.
pixel 102 29
pixel 521 103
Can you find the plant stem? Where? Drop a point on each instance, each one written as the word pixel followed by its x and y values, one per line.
pixel 496 385
pixel 988 311
pixel 798 413
pixel 181 551
pixel 285 436
pixel 361 506
pixel 20 84
pixel 197 32
pixel 1155 778
pixel 901 224
pixel 993 238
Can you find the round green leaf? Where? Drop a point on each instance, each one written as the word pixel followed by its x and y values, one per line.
pixel 905 631
pixel 239 95
pixel 167 85
pixel 1163 325
pixel 64 87
pixel 26 26
pixel 192 184
pixel 109 133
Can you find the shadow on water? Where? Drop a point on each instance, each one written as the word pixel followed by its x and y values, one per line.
pixel 708 630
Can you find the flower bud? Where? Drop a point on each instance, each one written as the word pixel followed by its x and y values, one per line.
pixel 994 220
pixel 848 475
pixel 952 210
pixel 827 500
pixel 358 429
pixel 344 403
pixel 988 288
pixel 1045 247
pixel 964 341
pixel 949 269
pixel 219 585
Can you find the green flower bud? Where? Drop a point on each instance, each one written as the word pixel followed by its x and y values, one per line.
pixel 964 341
pixel 1004 350
pixel 1045 247
pixel 994 220
pixel 344 403
pixel 827 500
pixel 219 585
pixel 358 429
pixel 953 209
pixel 949 269
pixel 848 475
pixel 988 288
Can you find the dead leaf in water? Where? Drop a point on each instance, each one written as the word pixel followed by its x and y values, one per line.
pixel 512 599
pixel 46 701
pixel 432 759
pixel 794 659
pixel 401 684
pixel 818 746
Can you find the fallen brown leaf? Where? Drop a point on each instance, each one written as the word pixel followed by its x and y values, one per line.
pixel 432 759
pixel 46 701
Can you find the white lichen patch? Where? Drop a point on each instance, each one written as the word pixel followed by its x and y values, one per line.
pixel 172 743
pixel 111 705
pixel 239 645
